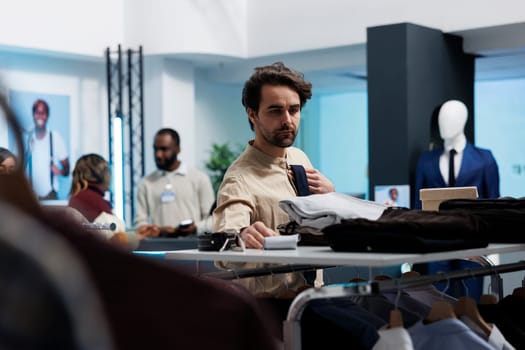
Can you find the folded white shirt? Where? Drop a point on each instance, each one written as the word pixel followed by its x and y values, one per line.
pixel 281 242
pixel 321 210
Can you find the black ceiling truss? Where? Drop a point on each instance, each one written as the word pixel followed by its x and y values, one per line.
pixel 126 101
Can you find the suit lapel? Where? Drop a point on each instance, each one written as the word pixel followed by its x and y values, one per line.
pixel 467 164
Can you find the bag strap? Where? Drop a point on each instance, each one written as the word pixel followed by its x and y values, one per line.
pixel 300 180
pixel 301 185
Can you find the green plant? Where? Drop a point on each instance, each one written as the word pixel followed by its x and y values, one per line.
pixel 221 156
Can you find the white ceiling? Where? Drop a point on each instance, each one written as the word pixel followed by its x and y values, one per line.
pixel 500 54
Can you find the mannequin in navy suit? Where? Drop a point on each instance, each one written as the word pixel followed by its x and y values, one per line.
pixel 473 166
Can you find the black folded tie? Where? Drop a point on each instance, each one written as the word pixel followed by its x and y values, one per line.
pixel 451 172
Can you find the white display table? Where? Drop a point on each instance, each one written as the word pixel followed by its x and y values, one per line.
pixel 326 256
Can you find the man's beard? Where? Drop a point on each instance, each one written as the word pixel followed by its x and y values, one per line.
pixel 165 164
pixel 283 137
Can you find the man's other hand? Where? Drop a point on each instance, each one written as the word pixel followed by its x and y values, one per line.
pixel 318 183
pixel 253 235
pixel 148 231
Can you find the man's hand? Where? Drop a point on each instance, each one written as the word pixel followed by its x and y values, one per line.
pixel 253 235
pixel 168 231
pixel 318 183
pixel 148 231
pixel 186 230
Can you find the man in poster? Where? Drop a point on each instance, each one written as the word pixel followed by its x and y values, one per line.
pixel 47 154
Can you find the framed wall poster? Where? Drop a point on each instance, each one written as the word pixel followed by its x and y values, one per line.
pixel 393 195
pixel 46 139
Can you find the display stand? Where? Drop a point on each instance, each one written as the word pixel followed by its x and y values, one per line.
pixel 324 256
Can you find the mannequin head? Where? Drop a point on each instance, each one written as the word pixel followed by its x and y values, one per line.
pixel 452 119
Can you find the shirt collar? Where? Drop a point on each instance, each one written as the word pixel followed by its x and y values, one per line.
pixel 181 170
pixel 265 158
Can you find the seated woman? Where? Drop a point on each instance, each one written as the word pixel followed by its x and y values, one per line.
pixel 91 180
pixel 7 161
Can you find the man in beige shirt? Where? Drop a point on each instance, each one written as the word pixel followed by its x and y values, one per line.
pixel 248 198
pixel 175 200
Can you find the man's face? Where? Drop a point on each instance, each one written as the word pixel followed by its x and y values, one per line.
pixel 40 116
pixel 277 119
pixel 165 151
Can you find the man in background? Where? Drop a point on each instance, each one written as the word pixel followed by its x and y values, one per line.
pixel 47 154
pixel 175 200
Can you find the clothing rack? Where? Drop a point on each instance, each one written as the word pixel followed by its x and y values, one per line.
pixel 292 325
pixel 496 280
pixel 263 271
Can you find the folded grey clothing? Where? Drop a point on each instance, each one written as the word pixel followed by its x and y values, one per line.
pixel 321 210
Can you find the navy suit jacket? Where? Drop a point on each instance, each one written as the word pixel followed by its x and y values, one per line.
pixel 478 168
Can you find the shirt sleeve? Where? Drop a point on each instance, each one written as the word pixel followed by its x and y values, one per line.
pixel 393 339
pixel 235 206
pixel 497 339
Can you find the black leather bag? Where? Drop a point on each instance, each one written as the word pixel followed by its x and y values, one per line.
pixel 217 241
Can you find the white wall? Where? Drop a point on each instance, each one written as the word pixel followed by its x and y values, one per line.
pixel 153 71
pixel 169 102
pixel 178 105
pixel 220 118
pixel 64 26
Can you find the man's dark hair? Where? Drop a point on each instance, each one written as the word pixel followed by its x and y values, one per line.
pixel 40 101
pixel 276 74
pixel 174 135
